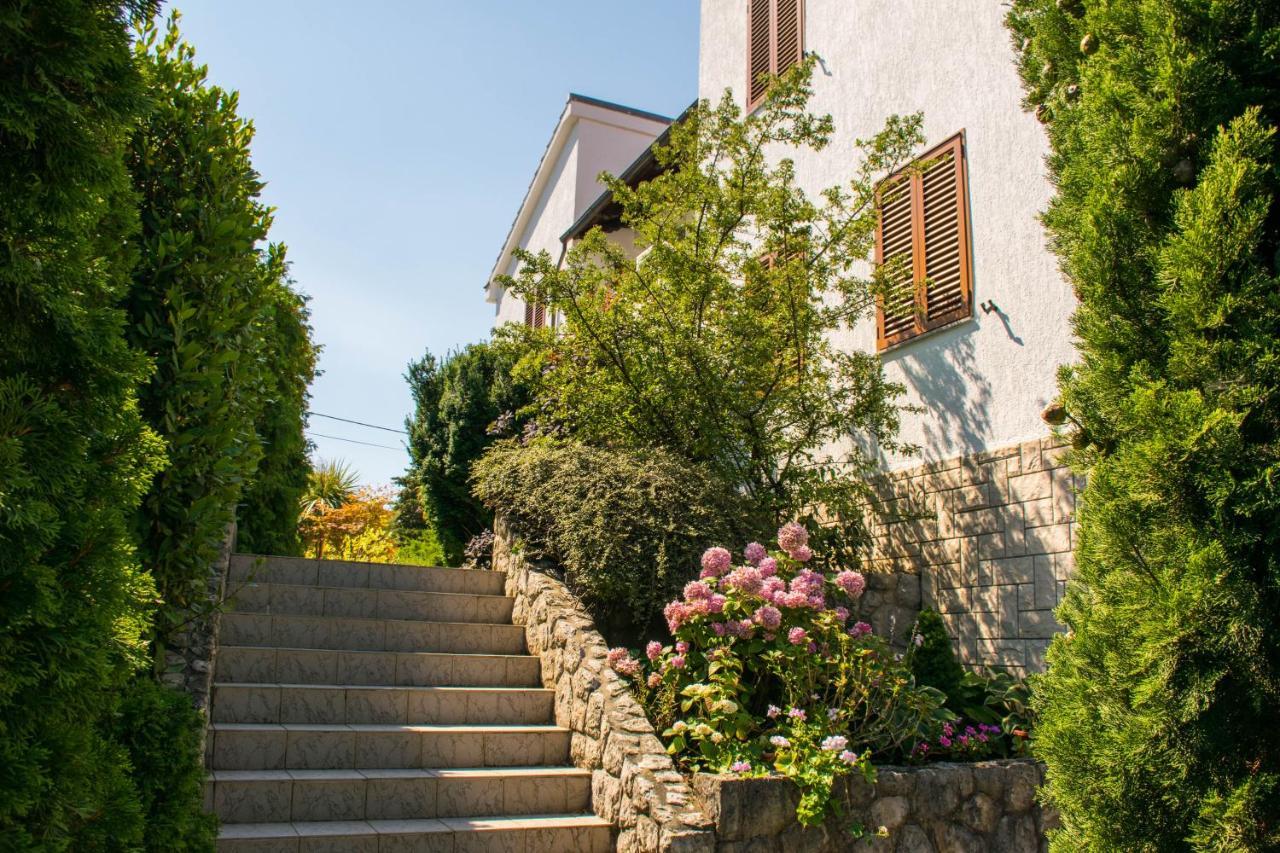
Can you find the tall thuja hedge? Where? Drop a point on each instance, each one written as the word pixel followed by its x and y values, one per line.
pixel 204 305
pixel 1158 712
pixel 75 455
pixel 267 517
pixel 457 400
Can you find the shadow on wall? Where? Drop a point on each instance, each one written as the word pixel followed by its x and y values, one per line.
pixel 942 374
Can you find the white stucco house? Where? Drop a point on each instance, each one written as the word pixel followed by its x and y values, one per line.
pixel 984 512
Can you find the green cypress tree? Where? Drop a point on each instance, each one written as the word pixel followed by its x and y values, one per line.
pixel 75 456
pixel 1158 711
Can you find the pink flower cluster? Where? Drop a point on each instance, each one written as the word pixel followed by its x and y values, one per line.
pixel 853 583
pixel 623 663
pixel 715 562
pixel 794 539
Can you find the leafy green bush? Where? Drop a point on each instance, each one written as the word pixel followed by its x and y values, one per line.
pixel 933 662
pixel 1157 713
pixel 457 401
pixel 624 526
pixel 771 671
pixel 160 729
pixel 75 455
pixel 269 507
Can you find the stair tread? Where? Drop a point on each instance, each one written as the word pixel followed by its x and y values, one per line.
pixel 437 688
pixel 262 648
pixel 438 728
pixel 399 827
pixel 369 619
pixel 325 587
pixel 397 773
pixel 362 563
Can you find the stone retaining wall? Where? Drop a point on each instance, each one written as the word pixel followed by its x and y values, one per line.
pixel 990 536
pixel 985 807
pixel 634 784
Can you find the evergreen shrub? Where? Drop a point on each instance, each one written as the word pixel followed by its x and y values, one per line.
pixel 625 526
pixel 1157 715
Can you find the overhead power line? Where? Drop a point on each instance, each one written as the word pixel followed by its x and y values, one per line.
pixel 357 423
pixel 353 441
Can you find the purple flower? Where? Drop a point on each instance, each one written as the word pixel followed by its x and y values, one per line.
pixel 652 650
pixel 853 583
pixel 719 628
pixel 944 741
pixel 773 711
pixel 832 713
pixel 860 629
pixel 768 616
pixel 748 579
pixel 768 567
pixel 797 636
pixel 842 613
pixel 740 767
pixel 801 554
pixel 754 553
pixel 716 561
pixel 792 536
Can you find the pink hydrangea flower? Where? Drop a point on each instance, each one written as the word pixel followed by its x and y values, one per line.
pixel 740 767
pixel 653 649
pixel 716 561
pixel 696 591
pixel 676 613
pixel 715 604
pixel 853 583
pixel 860 629
pixel 682 648
pixel 848 757
pixel 801 554
pixel 796 714
pixel 678 661
pixel 654 680
pixel 791 536
pixel 768 616
pixel 747 578
pixel 768 567
pixel 773 711
pixel 842 613
pixel 808 583
pixel 754 553
pixel 835 743
pixel 719 628
pixel 797 636
pixel 622 662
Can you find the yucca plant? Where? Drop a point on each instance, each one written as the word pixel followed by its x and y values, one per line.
pixel 330 485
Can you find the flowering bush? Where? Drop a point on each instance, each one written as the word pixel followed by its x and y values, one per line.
pixel 770 671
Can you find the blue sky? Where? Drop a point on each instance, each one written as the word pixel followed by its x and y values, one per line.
pixel 397 140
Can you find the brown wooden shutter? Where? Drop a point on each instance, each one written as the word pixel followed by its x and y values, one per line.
pixel 946 236
pixel 775 42
pixel 924 218
pixel 759 49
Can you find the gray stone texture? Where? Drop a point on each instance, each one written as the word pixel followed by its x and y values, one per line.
pixel 986 540
pixel 985 807
pixel 634 784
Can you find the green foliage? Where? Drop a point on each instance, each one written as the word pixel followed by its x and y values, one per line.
pixel 624 526
pixel 204 302
pixel 160 729
pixel 457 401
pixel 1157 714
pixel 932 660
pixel 270 505
pixel 330 484
pixel 75 455
pixel 716 342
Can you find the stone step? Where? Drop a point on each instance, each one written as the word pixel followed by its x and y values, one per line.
pixel 284 796
pixel 290 746
pixel 583 833
pixel 326 703
pixel 295 599
pixel 308 572
pixel 258 664
pixel 349 633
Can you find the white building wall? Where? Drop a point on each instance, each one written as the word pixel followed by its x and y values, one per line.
pixel 983 382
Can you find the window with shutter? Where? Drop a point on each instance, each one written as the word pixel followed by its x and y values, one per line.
pixel 922 245
pixel 775 42
pixel 535 313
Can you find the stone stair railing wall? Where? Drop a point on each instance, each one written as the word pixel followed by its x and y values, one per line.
pixel 370 708
pixel 634 784
pixel 938 808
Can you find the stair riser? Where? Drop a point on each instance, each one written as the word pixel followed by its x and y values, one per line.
pixel 420 797
pixel 351 634
pixel 385 705
pixel 395 839
pixel 370 603
pixel 305 666
pixel 278 749
pixel 297 570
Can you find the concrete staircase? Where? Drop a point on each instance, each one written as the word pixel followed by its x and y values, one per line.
pixel 385 709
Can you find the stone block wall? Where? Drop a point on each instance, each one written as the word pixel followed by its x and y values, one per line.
pixel 634 784
pixel 990 536
pixel 985 807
